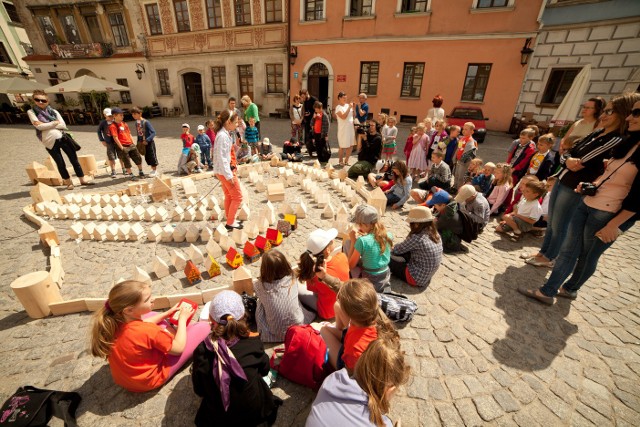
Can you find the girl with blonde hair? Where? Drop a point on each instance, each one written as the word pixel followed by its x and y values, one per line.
pixel 501 188
pixel 142 348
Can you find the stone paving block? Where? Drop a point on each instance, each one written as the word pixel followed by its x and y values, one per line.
pixel 448 414
pixel 456 387
pixel 487 407
pixel 467 410
pixel 506 401
pixel 474 386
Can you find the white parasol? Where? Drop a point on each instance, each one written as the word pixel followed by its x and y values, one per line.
pixel 570 106
pixel 85 84
pixel 19 85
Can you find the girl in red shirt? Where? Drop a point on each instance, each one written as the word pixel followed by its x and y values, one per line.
pixel 142 348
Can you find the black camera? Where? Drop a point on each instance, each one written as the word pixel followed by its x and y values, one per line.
pixel 361 128
pixel 588 189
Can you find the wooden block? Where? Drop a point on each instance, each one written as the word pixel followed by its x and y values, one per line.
pixel 68 307
pixel 116 213
pixel 323 199
pixel 73 211
pixel 167 234
pixel 160 190
pixel 206 233
pixel 34 169
pixel 48 234
pixel 138 213
pixel 139 275
pixel 195 254
pixel 125 200
pixel 160 268
pixel 56 271
pixel 378 200
pixel 161 214
pixel 88 164
pixel 263 224
pixel 211 201
pixel 189 187
pixel 179 233
pixel 178 259
pixel 62 212
pixel 123 231
pixel 107 213
pixel 191 201
pixel 112 231
pixel 42 192
pixel 216 213
pixel 286 209
pixel 243 213
pixel 212 266
pixel 114 200
pixel 105 200
pixel 260 187
pixel 209 294
pixel 85 212
pixel 136 232
pixel 162 302
pixel 301 210
pixel 87 231
pixel 127 213
pixel 275 192
pixel 242 281
pixel 36 291
pixel 213 249
pixel 193 232
pixel 220 231
pixel 95 304
pixel 194 296
pixel 150 213
pixel 189 214
pixel 75 231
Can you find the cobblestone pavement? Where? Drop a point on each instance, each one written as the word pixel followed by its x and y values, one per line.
pixel 481 353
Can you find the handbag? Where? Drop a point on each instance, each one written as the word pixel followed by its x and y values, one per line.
pixel 397 307
pixel 33 407
pixel 250 305
pixel 68 138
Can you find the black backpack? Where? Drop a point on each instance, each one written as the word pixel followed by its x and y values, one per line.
pixel 470 228
pixel 397 307
pixel 34 407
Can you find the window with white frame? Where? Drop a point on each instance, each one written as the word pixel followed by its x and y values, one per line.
pixel 475 82
pixel 369 77
pixel 412 79
pixel 313 10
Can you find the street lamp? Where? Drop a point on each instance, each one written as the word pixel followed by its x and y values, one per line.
pixel 139 70
pixel 526 52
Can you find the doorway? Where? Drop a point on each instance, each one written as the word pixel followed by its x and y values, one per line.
pixel 318 82
pixel 193 92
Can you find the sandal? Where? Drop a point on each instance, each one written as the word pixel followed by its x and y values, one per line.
pixel 534 261
pixel 525 255
pixel 534 294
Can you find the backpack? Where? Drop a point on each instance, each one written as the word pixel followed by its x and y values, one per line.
pixel 470 228
pixel 304 356
pixel 34 407
pixel 397 307
pixel 324 152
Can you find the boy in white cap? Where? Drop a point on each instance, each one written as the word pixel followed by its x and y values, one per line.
pixel 474 204
pixel 203 140
pixel 266 150
pixel 186 137
pixel 107 141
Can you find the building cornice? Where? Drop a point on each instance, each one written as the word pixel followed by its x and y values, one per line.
pixel 404 39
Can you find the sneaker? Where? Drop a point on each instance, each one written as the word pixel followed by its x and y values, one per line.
pixel 113 174
pixel 141 174
pixel 132 177
pixel 153 174
pixel 563 293
pixel 124 172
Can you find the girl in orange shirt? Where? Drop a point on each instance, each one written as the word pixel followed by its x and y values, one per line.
pixel 142 348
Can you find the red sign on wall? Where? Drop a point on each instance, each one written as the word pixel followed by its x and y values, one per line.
pixel 341 78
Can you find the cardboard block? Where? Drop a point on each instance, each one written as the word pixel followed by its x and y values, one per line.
pixel 251 228
pixel 123 231
pixel 208 294
pixel 87 231
pixel 139 213
pixel 226 242
pixel 178 259
pixel 212 266
pixel 139 275
pixel 179 233
pixel 195 254
pixel 150 213
pixel 193 232
pixel 242 281
pixel 201 213
pixel 160 268
pixel 75 231
pixel 161 214
pixel 239 236
pixel 213 249
pixel 284 227
pixel 194 296
pixel 275 192
pixel 42 192
pixel 189 187
pixel 136 232
pixel 162 302
pixel 243 213
pixel 35 169
pixel 160 190
pixel 192 273
pixel 378 200
pixel 68 307
pixel 112 231
pixel 220 231
pixel 292 219
pixel 167 233
pixel 95 304
pixel 206 233
pixel 100 232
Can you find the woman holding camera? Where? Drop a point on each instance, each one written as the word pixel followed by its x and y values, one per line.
pixel 584 165
pixel 609 207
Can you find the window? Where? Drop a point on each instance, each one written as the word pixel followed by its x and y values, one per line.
pixel 214 14
pixel 125 96
pixel 182 15
pixel 119 29
pixel 491 3
pixel 4 55
pixel 409 6
pixel 361 7
pixel 274 78
pixel 12 12
pixel 412 79
pixel 48 29
pixel 163 81
pixel 242 10
pixel 313 10
pixel 245 78
pixel 558 85
pixel 273 11
pixel 219 80
pixel 153 18
pixel 475 83
pixel 70 29
pixel 27 48
pixel 369 77
pixel 93 24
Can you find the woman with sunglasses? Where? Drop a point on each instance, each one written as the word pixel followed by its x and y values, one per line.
pixel 589 113
pixel 600 217
pixel 50 129
pixel 585 165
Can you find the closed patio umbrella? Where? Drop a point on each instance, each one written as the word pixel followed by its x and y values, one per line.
pixel 570 106
pixel 19 85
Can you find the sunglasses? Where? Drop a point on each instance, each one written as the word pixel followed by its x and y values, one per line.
pixel 40 100
pixel 608 112
pixel 635 112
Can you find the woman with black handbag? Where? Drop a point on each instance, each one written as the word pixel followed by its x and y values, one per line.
pixel 50 129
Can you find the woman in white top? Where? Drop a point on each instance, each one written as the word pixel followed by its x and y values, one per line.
pixel 346 131
pixel 589 114
pixel 437 112
pixel 225 166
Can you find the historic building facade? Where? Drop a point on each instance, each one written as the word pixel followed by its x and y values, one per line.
pixel 403 52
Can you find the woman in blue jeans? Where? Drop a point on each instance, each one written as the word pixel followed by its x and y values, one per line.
pixel 585 164
pixel 599 219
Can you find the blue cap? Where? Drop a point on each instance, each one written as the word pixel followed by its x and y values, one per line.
pixel 117 111
pixel 439 197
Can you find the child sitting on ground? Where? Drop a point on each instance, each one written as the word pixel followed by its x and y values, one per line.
pixel 448 222
pixel 516 193
pixel 363 399
pixel 526 212
pixel 251 135
pixel 265 150
pixel 278 304
pixel 144 351
pixel 243 155
pixel 399 193
pixel 417 259
pixel 541 224
pixel 369 248
pixel 204 143
pixel 292 150
pixel 474 204
pixel 384 177
pixel 439 176
pixel 323 271
pixel 484 181
pixel 359 321
pixel 502 185
pixel 474 169
pixel 193 160
pixel 228 368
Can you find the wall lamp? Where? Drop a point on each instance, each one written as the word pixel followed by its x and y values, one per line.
pixel 525 53
pixel 140 70
pixel 293 54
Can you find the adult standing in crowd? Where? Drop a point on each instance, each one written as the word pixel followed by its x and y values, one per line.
pixel 585 164
pixel 362 115
pixel 251 111
pixel 589 113
pixel 369 154
pixel 346 131
pixel 600 217
pixel 50 129
pixel 437 112
pixel 225 166
pixel 308 101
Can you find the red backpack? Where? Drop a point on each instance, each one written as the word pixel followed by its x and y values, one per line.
pixel 304 355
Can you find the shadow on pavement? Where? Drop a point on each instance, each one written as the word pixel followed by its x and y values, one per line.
pixel 182 404
pixel 537 333
pixel 16 319
pixel 15 196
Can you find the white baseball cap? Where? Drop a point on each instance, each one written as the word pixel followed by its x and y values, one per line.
pixel 200 127
pixel 266 141
pixel 186 125
pixel 465 192
pixel 107 112
pixel 320 239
